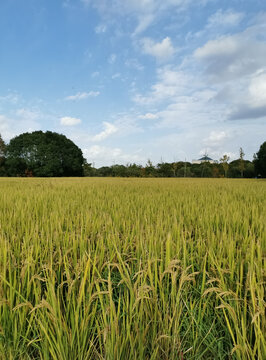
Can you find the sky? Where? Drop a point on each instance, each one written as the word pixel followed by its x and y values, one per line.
pixel 130 80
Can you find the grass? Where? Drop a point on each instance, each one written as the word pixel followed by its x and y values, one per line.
pixel 132 269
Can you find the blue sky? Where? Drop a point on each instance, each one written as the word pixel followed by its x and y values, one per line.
pixel 132 80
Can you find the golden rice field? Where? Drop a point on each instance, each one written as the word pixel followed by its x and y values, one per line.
pixel 132 269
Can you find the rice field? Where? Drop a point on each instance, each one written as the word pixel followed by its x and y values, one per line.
pixel 132 269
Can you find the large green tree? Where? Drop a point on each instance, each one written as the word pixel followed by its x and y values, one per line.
pixel 260 161
pixel 43 154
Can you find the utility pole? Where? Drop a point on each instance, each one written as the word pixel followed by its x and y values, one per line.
pixel 185 172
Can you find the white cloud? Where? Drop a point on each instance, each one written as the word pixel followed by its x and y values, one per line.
pixel 144 22
pixel 225 46
pixel 184 98
pixel 126 124
pixel 216 138
pixel 234 56
pixel 5 130
pixel 95 74
pixel 228 18
pixel 97 151
pixel 69 121
pixel 235 66
pixel 116 76
pixel 148 116
pixel 123 7
pixel 171 83
pixel 257 90
pixel 100 29
pixel 112 59
pixel 146 12
pixel 109 129
pixel 230 87
pixel 186 112
pixel 217 24
pixel 82 95
pixel 162 51
pixel 11 126
pixel 134 64
pixel 12 98
pixel 86 2
pixel 28 114
pixel 102 156
pixel 250 101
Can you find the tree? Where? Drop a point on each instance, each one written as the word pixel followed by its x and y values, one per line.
pixel 224 160
pixel 118 170
pixel 2 156
pixel 165 170
pixel 260 161
pixel 206 169
pixel 150 170
pixel 249 170
pixel 134 170
pixel 234 170
pixel 104 171
pixel 2 148
pixel 215 171
pixel 88 169
pixel 242 162
pixel 43 155
pixel 184 171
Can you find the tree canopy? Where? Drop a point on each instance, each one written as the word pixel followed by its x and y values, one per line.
pixel 260 161
pixel 2 147
pixel 2 156
pixel 43 154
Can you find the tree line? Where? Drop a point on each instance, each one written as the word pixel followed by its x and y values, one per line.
pixel 49 154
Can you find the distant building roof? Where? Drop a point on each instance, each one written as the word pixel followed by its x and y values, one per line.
pixel 206 158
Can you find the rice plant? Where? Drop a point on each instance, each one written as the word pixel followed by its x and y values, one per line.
pixel 132 269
